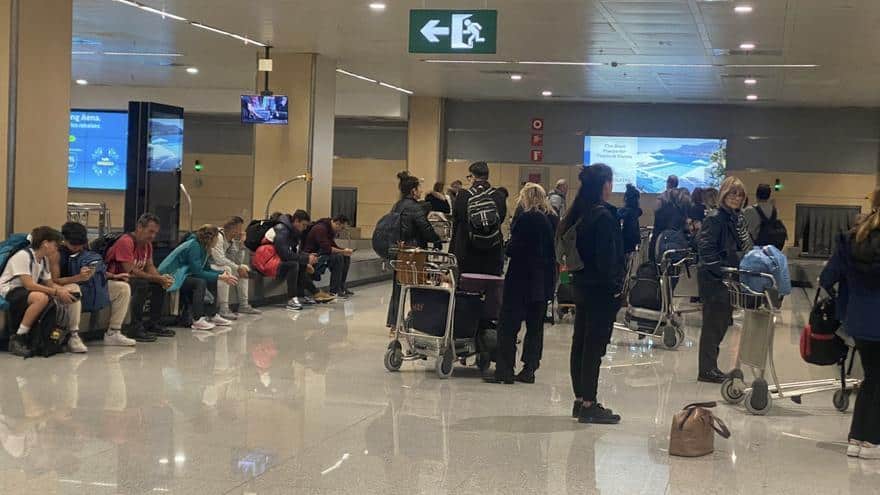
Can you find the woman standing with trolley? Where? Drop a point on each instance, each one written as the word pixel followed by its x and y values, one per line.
pixel 855 266
pixel 598 286
pixel 721 239
pixel 528 286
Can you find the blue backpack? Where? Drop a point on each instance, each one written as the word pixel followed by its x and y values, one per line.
pixel 95 292
pixel 12 245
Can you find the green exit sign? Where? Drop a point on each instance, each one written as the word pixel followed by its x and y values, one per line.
pixel 453 31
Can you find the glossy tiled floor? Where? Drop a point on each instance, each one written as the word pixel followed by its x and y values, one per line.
pixel 301 403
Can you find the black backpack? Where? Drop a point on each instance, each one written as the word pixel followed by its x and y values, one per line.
pixel 256 231
pixel 645 290
pixel 386 235
pixel 484 220
pixel 47 338
pixel 773 231
pixel 102 244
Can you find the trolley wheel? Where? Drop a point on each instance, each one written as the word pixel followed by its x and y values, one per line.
pixel 738 374
pixel 671 337
pixel 394 356
pixel 444 364
pixel 758 400
pixel 732 391
pixel 841 400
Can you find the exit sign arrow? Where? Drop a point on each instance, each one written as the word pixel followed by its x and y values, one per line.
pixel 432 30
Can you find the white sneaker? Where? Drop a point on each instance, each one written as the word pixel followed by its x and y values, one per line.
pixel 203 324
pixel 220 321
pixel 115 338
pixel 869 451
pixel 854 448
pixel 75 344
pixel 228 315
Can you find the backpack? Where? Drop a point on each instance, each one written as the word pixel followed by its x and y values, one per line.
pixel 566 249
pixel 645 290
pixel 484 220
pixel 820 344
pixel 256 231
pixel 772 232
pixel 102 244
pixel 95 291
pixel 671 240
pixel 387 234
pixel 47 337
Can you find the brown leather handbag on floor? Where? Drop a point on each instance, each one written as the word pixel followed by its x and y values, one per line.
pixel 693 430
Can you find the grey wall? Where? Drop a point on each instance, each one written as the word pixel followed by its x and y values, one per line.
pixel 382 140
pixel 783 139
pixel 217 133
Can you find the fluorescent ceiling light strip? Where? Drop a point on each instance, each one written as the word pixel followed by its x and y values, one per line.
pixel 143 54
pixel 491 62
pixel 128 2
pixel 162 13
pixel 80 52
pixel 577 64
pixel 248 41
pixel 356 76
pixel 212 29
pixel 771 66
pixel 395 88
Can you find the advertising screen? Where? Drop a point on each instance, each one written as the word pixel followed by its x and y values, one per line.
pixel 256 109
pixel 646 162
pixel 98 150
pixel 165 152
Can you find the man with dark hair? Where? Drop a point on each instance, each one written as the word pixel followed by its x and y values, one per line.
pixel 671 182
pixel 279 257
pixel 77 265
pixel 752 217
pixel 26 284
pixel 228 255
pixel 478 214
pixel 132 254
pixel 321 240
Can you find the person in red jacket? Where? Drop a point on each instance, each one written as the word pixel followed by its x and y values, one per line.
pixel 321 240
pixel 279 257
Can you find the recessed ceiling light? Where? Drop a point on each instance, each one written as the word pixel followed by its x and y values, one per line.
pixel 516 77
pixel 82 82
pixel 192 70
pixel 546 93
pixel 377 6
pixel 747 46
pixel 752 97
pixel 750 81
pixel 743 9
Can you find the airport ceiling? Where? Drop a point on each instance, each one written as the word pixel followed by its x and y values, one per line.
pixel 680 51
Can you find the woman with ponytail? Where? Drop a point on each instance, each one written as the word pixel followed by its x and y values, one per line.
pixel 855 269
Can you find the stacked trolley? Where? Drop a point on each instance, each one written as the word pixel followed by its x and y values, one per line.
pixel 442 322
pixel 760 310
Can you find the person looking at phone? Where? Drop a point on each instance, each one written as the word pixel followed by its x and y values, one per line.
pixel 132 254
pixel 321 240
pixel 26 284
pixel 75 264
pixel 228 255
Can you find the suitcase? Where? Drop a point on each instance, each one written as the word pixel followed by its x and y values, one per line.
pixel 429 309
pixel 490 286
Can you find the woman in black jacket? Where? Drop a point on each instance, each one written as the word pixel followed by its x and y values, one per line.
pixel 415 229
pixel 528 286
pixel 597 287
pixel 722 239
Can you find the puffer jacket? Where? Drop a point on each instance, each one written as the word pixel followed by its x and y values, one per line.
pixel 855 267
pixel 720 244
pixel 415 229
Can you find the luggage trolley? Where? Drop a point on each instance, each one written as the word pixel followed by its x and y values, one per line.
pixel 756 351
pixel 666 322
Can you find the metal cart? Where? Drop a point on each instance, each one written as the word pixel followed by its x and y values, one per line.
pixel 667 323
pixel 429 270
pixel 760 310
pixel 441 224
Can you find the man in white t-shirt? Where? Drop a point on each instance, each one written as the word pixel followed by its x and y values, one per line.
pixel 27 286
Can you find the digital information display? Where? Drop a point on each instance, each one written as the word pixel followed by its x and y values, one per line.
pixel 98 150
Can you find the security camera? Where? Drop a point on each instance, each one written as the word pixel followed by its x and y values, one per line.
pixel 614 64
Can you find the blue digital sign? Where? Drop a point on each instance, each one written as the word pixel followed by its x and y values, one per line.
pixel 98 150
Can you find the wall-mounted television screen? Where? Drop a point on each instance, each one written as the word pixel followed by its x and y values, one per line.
pixel 646 162
pixel 165 151
pixel 97 154
pixel 256 109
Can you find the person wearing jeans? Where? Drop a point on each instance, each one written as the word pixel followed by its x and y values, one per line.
pixel 321 240
pixel 855 269
pixel 279 256
pixel 228 256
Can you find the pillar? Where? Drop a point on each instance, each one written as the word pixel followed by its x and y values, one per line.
pixel 42 31
pixel 303 146
pixel 426 139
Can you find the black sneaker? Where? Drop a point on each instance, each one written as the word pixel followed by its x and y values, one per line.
pixel 18 346
pixel 714 376
pixel 160 331
pixel 576 409
pixel 139 335
pixel 492 378
pixel 526 376
pixel 347 293
pixel 597 414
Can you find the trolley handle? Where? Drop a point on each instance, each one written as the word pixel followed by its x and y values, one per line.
pixel 768 276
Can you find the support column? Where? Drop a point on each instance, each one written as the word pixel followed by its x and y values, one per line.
pixel 426 140
pixel 303 146
pixel 40 69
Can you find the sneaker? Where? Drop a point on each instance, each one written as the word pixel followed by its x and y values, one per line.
pixel 294 304
pixel 597 414
pixel 220 321
pixel 160 331
pixel 854 448
pixel 249 310
pixel 228 315
pixel 324 297
pixel 338 295
pixel 75 344
pixel 307 301
pixel 140 335
pixel 526 376
pixel 18 346
pixel 869 451
pixel 115 338
pixel 347 293
pixel 203 324
pixel 576 409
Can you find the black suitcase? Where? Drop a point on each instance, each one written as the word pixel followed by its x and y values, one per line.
pixel 429 309
pixel 645 289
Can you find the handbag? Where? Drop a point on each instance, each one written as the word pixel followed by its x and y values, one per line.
pixel 693 430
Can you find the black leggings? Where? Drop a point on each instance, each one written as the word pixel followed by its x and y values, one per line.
pixel 192 296
pixel 512 317
pixel 595 312
pixel 866 415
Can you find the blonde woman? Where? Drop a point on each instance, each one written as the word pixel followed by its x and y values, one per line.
pixel 721 241
pixel 528 286
pixel 855 267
